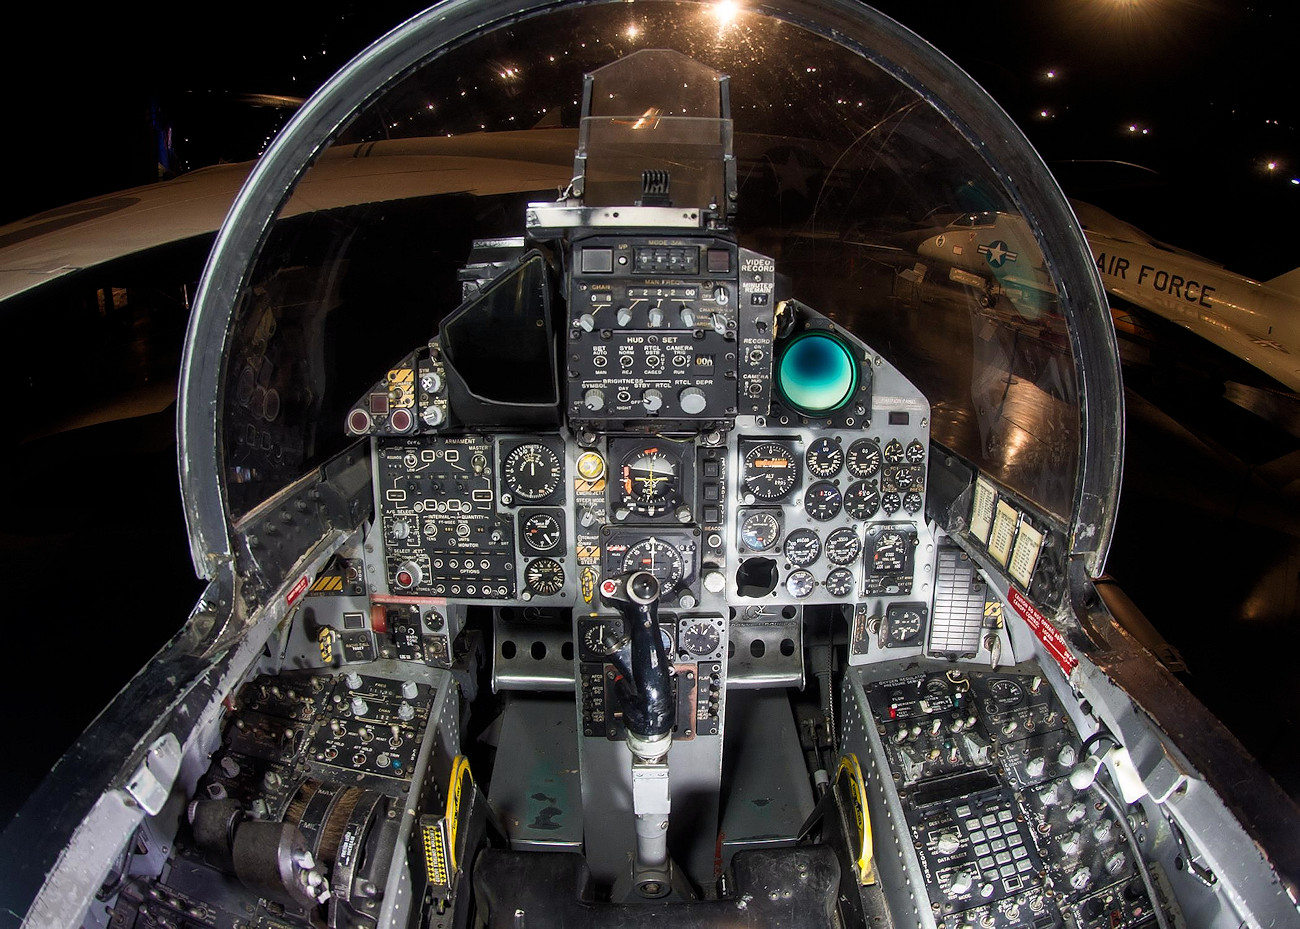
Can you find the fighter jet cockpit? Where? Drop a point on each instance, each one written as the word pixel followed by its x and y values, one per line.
pixel 630 496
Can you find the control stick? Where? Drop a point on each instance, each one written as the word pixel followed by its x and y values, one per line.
pixel 644 682
pixel 644 687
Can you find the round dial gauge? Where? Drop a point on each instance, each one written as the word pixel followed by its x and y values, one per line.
pixel 912 501
pixel 890 553
pixel 759 531
pixel 823 501
pixel 544 576
pixel 842 546
pixel 839 583
pixel 542 532
pixel 861 500
pixel 771 471
pixel 532 471
pixel 660 559
pixel 699 637
pixel 936 687
pixel 593 637
pixel 864 458
pixel 650 481
pixel 824 458
pixel 890 502
pixel 904 625
pixel 802 547
pixel 1006 692
pixel 915 452
pixel 893 452
pixel 800 584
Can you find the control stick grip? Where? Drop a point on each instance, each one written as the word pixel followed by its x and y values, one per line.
pixel 644 682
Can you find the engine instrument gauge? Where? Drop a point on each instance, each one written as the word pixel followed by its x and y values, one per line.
pixel 532 471
pixel 544 576
pixel 800 584
pixel 912 501
pixel 861 501
pixel 659 558
pixel 770 471
pixel 759 530
pixel 843 546
pixel 824 458
pixel 893 453
pixel 915 453
pixel 890 502
pixel 699 637
pixel 839 583
pixel 864 458
pixel 802 547
pixel 541 532
pixel 823 501
pixel 650 481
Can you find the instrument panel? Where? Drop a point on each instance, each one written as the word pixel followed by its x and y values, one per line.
pixel 744 450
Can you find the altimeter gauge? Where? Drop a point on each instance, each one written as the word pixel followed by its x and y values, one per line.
pixel 770 471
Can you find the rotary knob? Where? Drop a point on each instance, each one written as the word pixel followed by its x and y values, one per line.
pixel 353 680
pixel 405 711
pixel 409 690
pixel 359 707
pixel 688 316
pixel 652 400
pixel 692 400
pixel 408 575
pixel 432 415
pixel 655 318
pixel 399 530
pixel 594 400
pixel 961 883
pixel 948 843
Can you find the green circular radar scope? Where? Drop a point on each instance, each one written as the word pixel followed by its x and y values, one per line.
pixel 817 373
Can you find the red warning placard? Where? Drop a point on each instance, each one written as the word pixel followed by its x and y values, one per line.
pixel 1052 639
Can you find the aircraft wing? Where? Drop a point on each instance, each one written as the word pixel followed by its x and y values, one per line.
pixel 42 248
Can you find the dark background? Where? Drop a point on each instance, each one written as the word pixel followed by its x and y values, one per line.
pixel 1211 82
pixel 111 98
